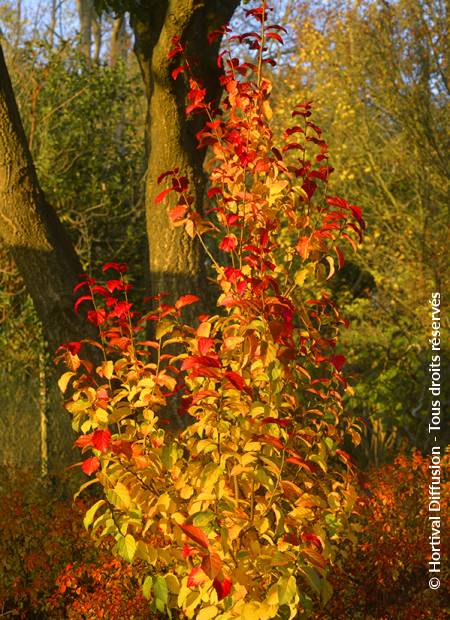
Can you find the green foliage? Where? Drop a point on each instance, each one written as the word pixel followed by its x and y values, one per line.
pixel 375 72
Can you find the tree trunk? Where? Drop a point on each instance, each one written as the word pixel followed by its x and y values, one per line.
pixel 97 36
pixel 176 264
pixel 120 42
pixel 86 16
pixel 31 230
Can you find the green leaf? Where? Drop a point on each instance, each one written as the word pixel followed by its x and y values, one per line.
pixel 119 496
pixel 161 592
pixel 90 514
pixel 326 591
pixel 147 587
pixel 312 578
pixel 126 548
pixel 287 589
pixel 203 518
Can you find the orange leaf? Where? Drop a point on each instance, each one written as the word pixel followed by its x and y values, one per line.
pixel 212 565
pixel 195 534
pixel 91 465
pixel 196 577
pixel 314 557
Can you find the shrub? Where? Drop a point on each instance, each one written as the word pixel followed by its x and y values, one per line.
pixel 49 567
pixel 238 515
pixel 385 575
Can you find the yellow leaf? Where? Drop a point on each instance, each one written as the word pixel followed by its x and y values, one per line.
pixel 173 585
pixel 208 612
pixel 300 277
pixel 330 261
pixel 267 110
pixel 63 381
pixel 107 369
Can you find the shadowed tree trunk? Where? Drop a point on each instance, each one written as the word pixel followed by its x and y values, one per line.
pixel 120 42
pixel 29 226
pixel 41 249
pixel 175 261
pixel 31 230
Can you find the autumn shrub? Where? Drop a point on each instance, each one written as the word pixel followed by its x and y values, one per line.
pixel 239 515
pixel 49 567
pixel 385 574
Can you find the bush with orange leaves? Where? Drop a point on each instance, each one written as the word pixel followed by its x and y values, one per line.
pixel 49 567
pixel 385 575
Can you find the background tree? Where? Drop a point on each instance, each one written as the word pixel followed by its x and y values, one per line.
pixel 378 75
pixel 173 262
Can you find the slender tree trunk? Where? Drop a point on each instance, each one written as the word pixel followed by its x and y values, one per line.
pixel 120 42
pixel 176 264
pixel 97 35
pixel 86 16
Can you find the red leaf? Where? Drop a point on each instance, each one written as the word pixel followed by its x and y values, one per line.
pixel 204 345
pixel 121 309
pixel 120 446
pixel 335 201
pixel 274 441
pixel 176 72
pixel 167 174
pixel 338 361
pixel 88 282
pixel 196 577
pixel 223 588
pixel 96 317
pixel 297 461
pixel 274 35
pixel 312 538
pixel 120 267
pixel 177 212
pixel 73 347
pixel 160 197
pixel 177 47
pixel 186 300
pixel 340 256
pixel 102 394
pixel 84 440
pixel 302 247
pixel 233 274
pixel 187 551
pixel 101 440
pixel 213 191
pixel 196 361
pixel 196 534
pixel 228 243
pixel 282 423
pixel 116 285
pixel 309 187
pixel 91 465
pixel 236 379
pixel 81 299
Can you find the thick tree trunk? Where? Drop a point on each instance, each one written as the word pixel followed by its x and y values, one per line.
pixel 41 248
pixel 31 230
pixel 176 264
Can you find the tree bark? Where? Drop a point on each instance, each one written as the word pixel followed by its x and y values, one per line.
pixel 120 42
pixel 176 263
pixel 86 16
pixel 31 230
